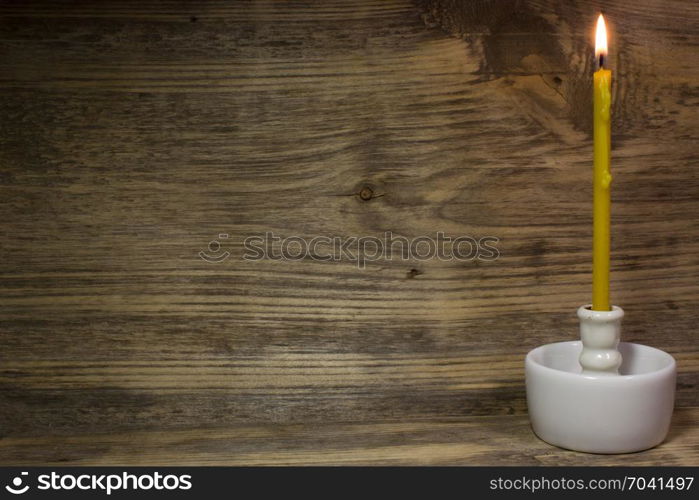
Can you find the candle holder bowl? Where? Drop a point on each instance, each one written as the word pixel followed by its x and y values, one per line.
pixel 600 413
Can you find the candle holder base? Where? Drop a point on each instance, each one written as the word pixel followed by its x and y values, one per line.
pixel 600 413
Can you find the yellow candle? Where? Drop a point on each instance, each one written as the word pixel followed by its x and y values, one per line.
pixel 602 175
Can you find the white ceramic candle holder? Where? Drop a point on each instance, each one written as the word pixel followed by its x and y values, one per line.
pixel 598 395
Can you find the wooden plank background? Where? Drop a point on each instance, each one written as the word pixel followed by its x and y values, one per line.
pixel 133 133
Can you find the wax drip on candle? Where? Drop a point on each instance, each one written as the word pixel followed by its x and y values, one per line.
pixel 607 179
pixel 605 114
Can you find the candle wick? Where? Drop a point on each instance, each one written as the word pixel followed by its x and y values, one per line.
pixel 600 61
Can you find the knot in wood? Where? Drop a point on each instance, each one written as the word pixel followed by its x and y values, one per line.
pixel 366 193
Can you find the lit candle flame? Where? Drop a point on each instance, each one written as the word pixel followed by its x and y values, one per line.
pixel 601 41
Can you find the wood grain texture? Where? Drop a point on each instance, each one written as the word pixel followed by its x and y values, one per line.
pixel 133 133
pixel 494 440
